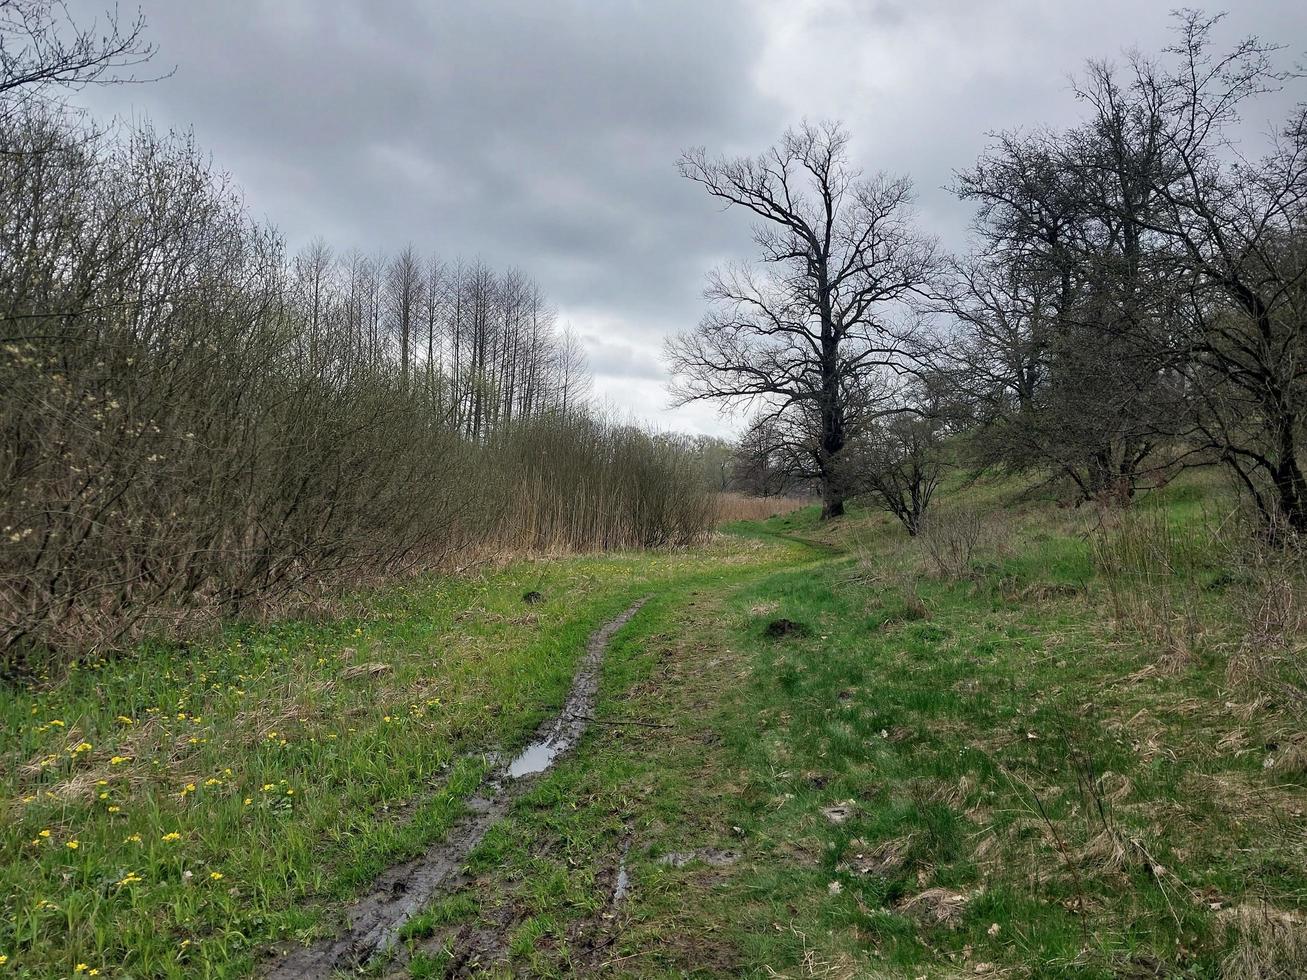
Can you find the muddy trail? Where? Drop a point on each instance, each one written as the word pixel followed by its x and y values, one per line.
pixel 374 920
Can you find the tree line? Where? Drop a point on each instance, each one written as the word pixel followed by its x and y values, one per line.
pixel 196 423
pixel 1134 301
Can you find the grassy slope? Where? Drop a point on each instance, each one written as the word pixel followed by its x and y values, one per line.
pixel 1025 786
pixel 167 813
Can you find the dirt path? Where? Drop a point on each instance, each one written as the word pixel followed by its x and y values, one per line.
pixel 375 919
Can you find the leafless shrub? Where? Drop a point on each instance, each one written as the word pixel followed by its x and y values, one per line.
pixel 950 539
pixel 194 425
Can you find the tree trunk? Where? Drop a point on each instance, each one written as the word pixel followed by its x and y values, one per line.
pixel 832 501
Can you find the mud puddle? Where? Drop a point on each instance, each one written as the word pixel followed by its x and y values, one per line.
pixel 375 919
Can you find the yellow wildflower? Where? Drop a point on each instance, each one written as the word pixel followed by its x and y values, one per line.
pixel 132 839
pixel 118 760
pixel 173 836
pixel 114 809
pixel 216 875
pixel 72 845
pixel 81 968
pixel 82 747
pixel 45 833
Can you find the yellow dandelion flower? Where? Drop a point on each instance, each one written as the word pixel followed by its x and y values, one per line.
pixel 268 786
pixel 114 809
pixel 56 721
pixel 248 801
pixel 124 720
pixel 81 967
pixel 216 875
pixel 173 836
pixel 132 839
pixel 45 833
pixel 82 747
pixel 212 782
pixel 4 958
pixel 72 845
pixel 118 760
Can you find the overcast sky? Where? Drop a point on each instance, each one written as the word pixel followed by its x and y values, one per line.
pixel 543 134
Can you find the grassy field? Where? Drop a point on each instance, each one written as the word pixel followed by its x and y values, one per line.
pixel 870 767
pixel 167 813
pixel 820 750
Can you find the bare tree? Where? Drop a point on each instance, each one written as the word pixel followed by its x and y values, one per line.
pixel 899 459
pixel 800 332
pixel 43 48
pixel 1063 310
pixel 405 285
pixel 1236 232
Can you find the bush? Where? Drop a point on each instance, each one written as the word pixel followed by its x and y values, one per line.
pixel 194 426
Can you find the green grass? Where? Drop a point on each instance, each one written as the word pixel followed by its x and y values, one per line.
pixel 1077 759
pixel 169 812
pixel 1027 786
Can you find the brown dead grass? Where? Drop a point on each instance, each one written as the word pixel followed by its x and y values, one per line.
pixel 738 507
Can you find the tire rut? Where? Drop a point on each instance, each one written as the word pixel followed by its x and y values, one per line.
pixel 375 919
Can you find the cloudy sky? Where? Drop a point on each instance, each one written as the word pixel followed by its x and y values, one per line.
pixel 543 134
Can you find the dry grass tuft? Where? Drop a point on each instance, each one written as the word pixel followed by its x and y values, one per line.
pixel 369 670
pixel 1270 944
pixel 943 906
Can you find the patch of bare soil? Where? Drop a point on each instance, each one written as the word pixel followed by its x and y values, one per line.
pixel 778 628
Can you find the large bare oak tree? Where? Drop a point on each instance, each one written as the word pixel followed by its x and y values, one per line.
pixel 803 332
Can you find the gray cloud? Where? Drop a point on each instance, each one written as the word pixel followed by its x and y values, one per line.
pixel 544 135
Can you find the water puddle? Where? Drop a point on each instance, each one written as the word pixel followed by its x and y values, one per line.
pixel 375 919
pixel 623 884
pixel 536 757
